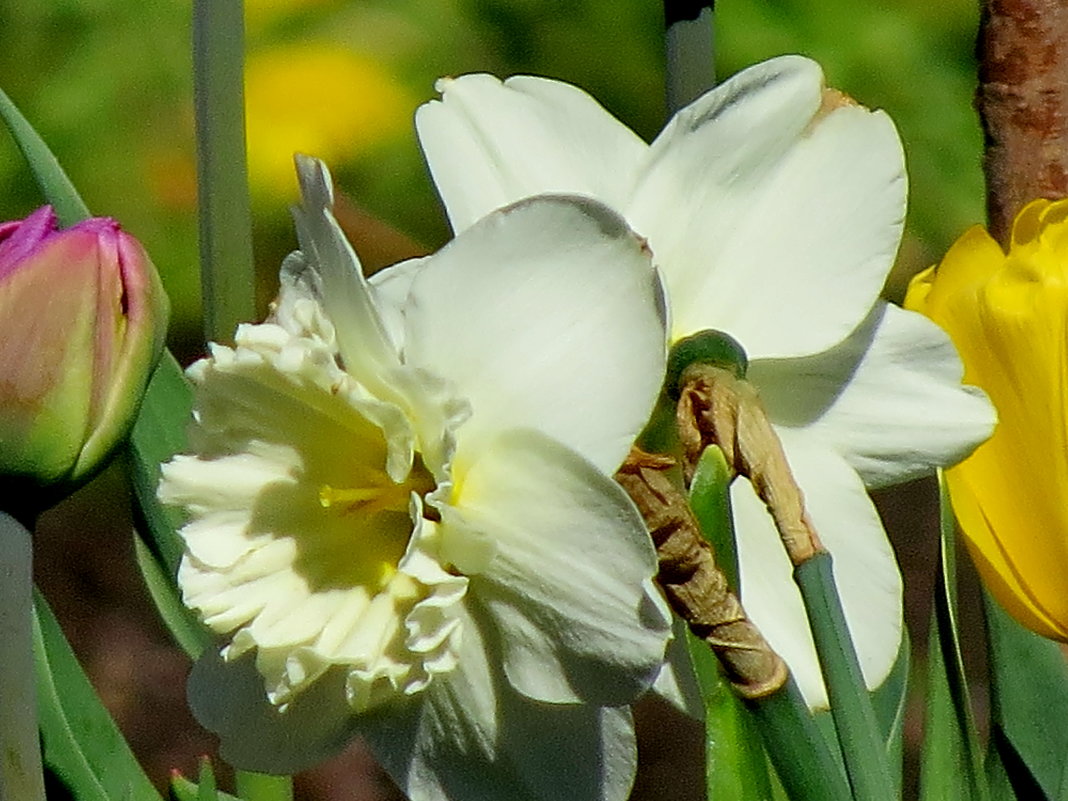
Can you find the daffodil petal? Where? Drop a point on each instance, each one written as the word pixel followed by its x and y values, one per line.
pixel 344 295
pixel 227 698
pixel 888 398
pixel 390 288
pixel 866 573
pixel 569 584
pixel 676 682
pixel 774 208
pixel 489 143
pixel 475 737
pixel 570 335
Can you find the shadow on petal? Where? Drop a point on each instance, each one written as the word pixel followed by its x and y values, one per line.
pixel 229 699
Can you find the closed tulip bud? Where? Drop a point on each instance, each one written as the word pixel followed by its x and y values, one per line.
pixel 82 321
pixel 1008 316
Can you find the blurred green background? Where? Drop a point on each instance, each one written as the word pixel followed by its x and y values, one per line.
pixel 108 83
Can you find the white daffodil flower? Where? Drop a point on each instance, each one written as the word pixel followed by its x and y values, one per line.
pixel 774 208
pixel 401 511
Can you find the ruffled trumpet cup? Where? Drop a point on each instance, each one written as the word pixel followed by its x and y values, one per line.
pixel 401 512
pixel 773 207
pixel 82 321
pixel 1008 316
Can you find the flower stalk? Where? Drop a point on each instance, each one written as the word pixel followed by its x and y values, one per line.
pixel 690 41
pixel 227 272
pixel 719 407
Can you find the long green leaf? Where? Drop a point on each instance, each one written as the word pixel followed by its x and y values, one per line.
pixel 863 748
pixel 82 745
pixel 889 702
pixel 710 499
pixel 158 433
pixel 951 766
pixel 735 763
pixel 53 181
pixel 21 777
pixel 188 632
pixel 1029 694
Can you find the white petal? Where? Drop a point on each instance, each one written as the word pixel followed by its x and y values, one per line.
pixel 546 315
pixel 866 573
pixel 774 218
pixel 227 698
pixel 570 586
pixel 344 294
pixel 476 738
pixel 676 682
pixel 389 289
pixel 889 398
pixel 490 143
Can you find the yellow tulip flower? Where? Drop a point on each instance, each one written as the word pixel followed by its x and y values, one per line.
pixel 1008 316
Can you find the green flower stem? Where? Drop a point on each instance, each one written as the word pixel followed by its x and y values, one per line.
pixel 803 760
pixel 854 718
pixel 261 787
pixel 21 776
pixel 226 264
pixel 54 183
pixel 807 767
pixel 691 67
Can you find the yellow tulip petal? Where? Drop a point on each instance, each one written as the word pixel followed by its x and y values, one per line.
pixel 1008 317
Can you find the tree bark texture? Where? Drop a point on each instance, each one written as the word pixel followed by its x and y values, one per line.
pixel 1023 105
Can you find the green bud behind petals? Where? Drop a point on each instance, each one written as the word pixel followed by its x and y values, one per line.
pixel 82 322
pixel 713 347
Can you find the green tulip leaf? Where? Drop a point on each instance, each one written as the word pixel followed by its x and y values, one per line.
pixel 951 762
pixel 53 181
pixel 158 434
pixel 82 744
pixel 888 700
pixel 1029 699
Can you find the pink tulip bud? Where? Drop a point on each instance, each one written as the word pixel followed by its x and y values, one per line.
pixel 82 321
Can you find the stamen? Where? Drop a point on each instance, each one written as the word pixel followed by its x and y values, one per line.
pixel 365 499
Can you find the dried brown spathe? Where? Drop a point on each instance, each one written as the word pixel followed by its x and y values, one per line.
pixel 694 585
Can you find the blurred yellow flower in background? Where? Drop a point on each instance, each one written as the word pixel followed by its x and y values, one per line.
pixel 316 97
pixel 1008 316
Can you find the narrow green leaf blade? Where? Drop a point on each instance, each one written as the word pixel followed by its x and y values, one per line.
pixel 21 777
pixel 951 764
pixel 863 748
pixel 82 745
pixel 188 632
pixel 710 499
pixel 889 701
pixel 53 181
pixel 735 763
pixel 158 433
pixel 1029 694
